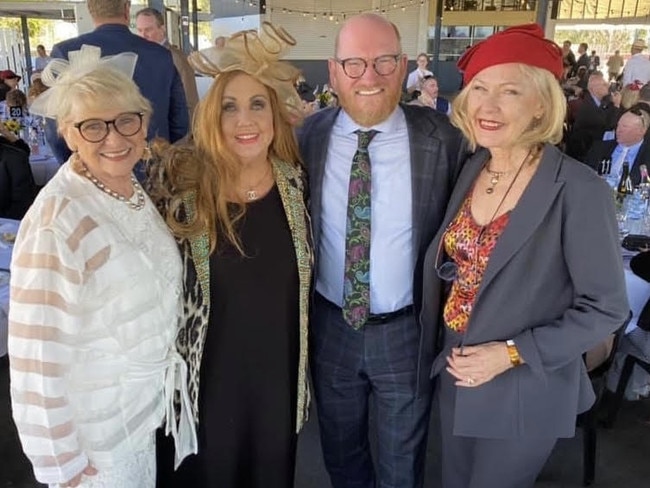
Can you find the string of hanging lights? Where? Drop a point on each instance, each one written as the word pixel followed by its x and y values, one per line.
pixel 335 15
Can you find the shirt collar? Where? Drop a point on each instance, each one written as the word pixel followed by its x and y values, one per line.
pixel 391 124
pixel 113 27
pixel 596 101
pixel 630 149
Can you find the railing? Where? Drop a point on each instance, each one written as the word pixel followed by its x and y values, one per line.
pixel 11 52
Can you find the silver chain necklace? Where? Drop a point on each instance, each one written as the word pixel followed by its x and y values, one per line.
pixel 252 192
pixel 139 202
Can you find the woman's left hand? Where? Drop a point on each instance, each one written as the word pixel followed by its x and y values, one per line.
pixel 476 365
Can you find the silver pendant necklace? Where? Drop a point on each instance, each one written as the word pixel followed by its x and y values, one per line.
pixel 251 193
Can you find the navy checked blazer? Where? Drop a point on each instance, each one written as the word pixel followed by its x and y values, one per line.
pixel 437 153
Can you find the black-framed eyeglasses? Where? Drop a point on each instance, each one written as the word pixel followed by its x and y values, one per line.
pixel 383 65
pixel 96 130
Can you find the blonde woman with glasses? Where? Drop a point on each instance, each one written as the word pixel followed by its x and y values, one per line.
pixel 95 289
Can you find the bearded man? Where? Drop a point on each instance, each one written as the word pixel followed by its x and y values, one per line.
pixel 380 174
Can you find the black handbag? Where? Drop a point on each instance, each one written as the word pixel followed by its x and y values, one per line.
pixel 636 242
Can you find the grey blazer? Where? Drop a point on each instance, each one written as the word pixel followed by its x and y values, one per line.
pixel 554 283
pixel 437 152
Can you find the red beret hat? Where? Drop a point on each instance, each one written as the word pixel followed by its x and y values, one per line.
pixel 8 74
pixel 519 44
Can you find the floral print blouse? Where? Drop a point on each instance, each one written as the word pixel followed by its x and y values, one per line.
pixel 469 245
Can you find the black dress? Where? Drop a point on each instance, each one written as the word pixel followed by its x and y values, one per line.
pixel 249 369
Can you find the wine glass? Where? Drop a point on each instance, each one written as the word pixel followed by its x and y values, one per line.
pixel 623 227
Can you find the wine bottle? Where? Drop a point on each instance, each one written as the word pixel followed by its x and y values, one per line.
pixel 624 187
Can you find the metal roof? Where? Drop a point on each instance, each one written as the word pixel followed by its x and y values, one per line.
pixel 39 10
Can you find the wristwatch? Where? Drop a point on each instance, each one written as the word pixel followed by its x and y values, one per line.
pixel 513 353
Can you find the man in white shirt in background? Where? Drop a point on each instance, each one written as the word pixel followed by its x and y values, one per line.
pixel 638 66
pixel 42 59
pixel 151 25
pixel 416 77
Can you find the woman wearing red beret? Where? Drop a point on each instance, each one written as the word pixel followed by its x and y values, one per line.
pixel 519 264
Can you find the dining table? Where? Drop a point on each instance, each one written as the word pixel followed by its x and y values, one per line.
pixel 638 294
pixel 8 230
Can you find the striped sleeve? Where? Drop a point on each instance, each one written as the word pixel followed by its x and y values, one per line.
pixel 43 322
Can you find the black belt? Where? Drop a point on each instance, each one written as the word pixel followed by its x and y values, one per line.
pixel 376 318
pixel 382 318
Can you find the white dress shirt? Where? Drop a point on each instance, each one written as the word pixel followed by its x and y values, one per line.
pixel 622 153
pixel 415 78
pixel 637 68
pixel 391 242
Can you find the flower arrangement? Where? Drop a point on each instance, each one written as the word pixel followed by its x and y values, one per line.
pixel 327 99
pixel 324 98
pixel 13 125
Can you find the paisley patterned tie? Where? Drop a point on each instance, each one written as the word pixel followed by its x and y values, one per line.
pixel 356 284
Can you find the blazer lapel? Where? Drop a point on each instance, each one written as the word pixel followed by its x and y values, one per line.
pixel 425 155
pixel 291 193
pixel 527 215
pixel 641 158
pixel 200 249
pixel 314 152
pixel 465 182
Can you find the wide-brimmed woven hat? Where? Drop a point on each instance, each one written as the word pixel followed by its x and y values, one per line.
pixel 258 53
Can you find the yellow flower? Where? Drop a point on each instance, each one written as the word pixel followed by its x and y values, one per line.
pixel 324 98
pixel 13 125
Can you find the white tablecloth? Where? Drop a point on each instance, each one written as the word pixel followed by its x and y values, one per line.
pixel 6 225
pixel 638 292
pixel 636 341
pixel 44 165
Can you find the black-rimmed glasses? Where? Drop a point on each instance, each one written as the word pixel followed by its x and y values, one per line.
pixel 96 130
pixel 356 67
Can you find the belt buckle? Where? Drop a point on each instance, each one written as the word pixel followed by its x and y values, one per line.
pixel 378 319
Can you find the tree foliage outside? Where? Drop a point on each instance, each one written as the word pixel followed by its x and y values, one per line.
pixel 603 41
pixel 36 26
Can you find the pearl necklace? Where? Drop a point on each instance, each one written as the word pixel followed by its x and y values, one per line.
pixel 138 204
